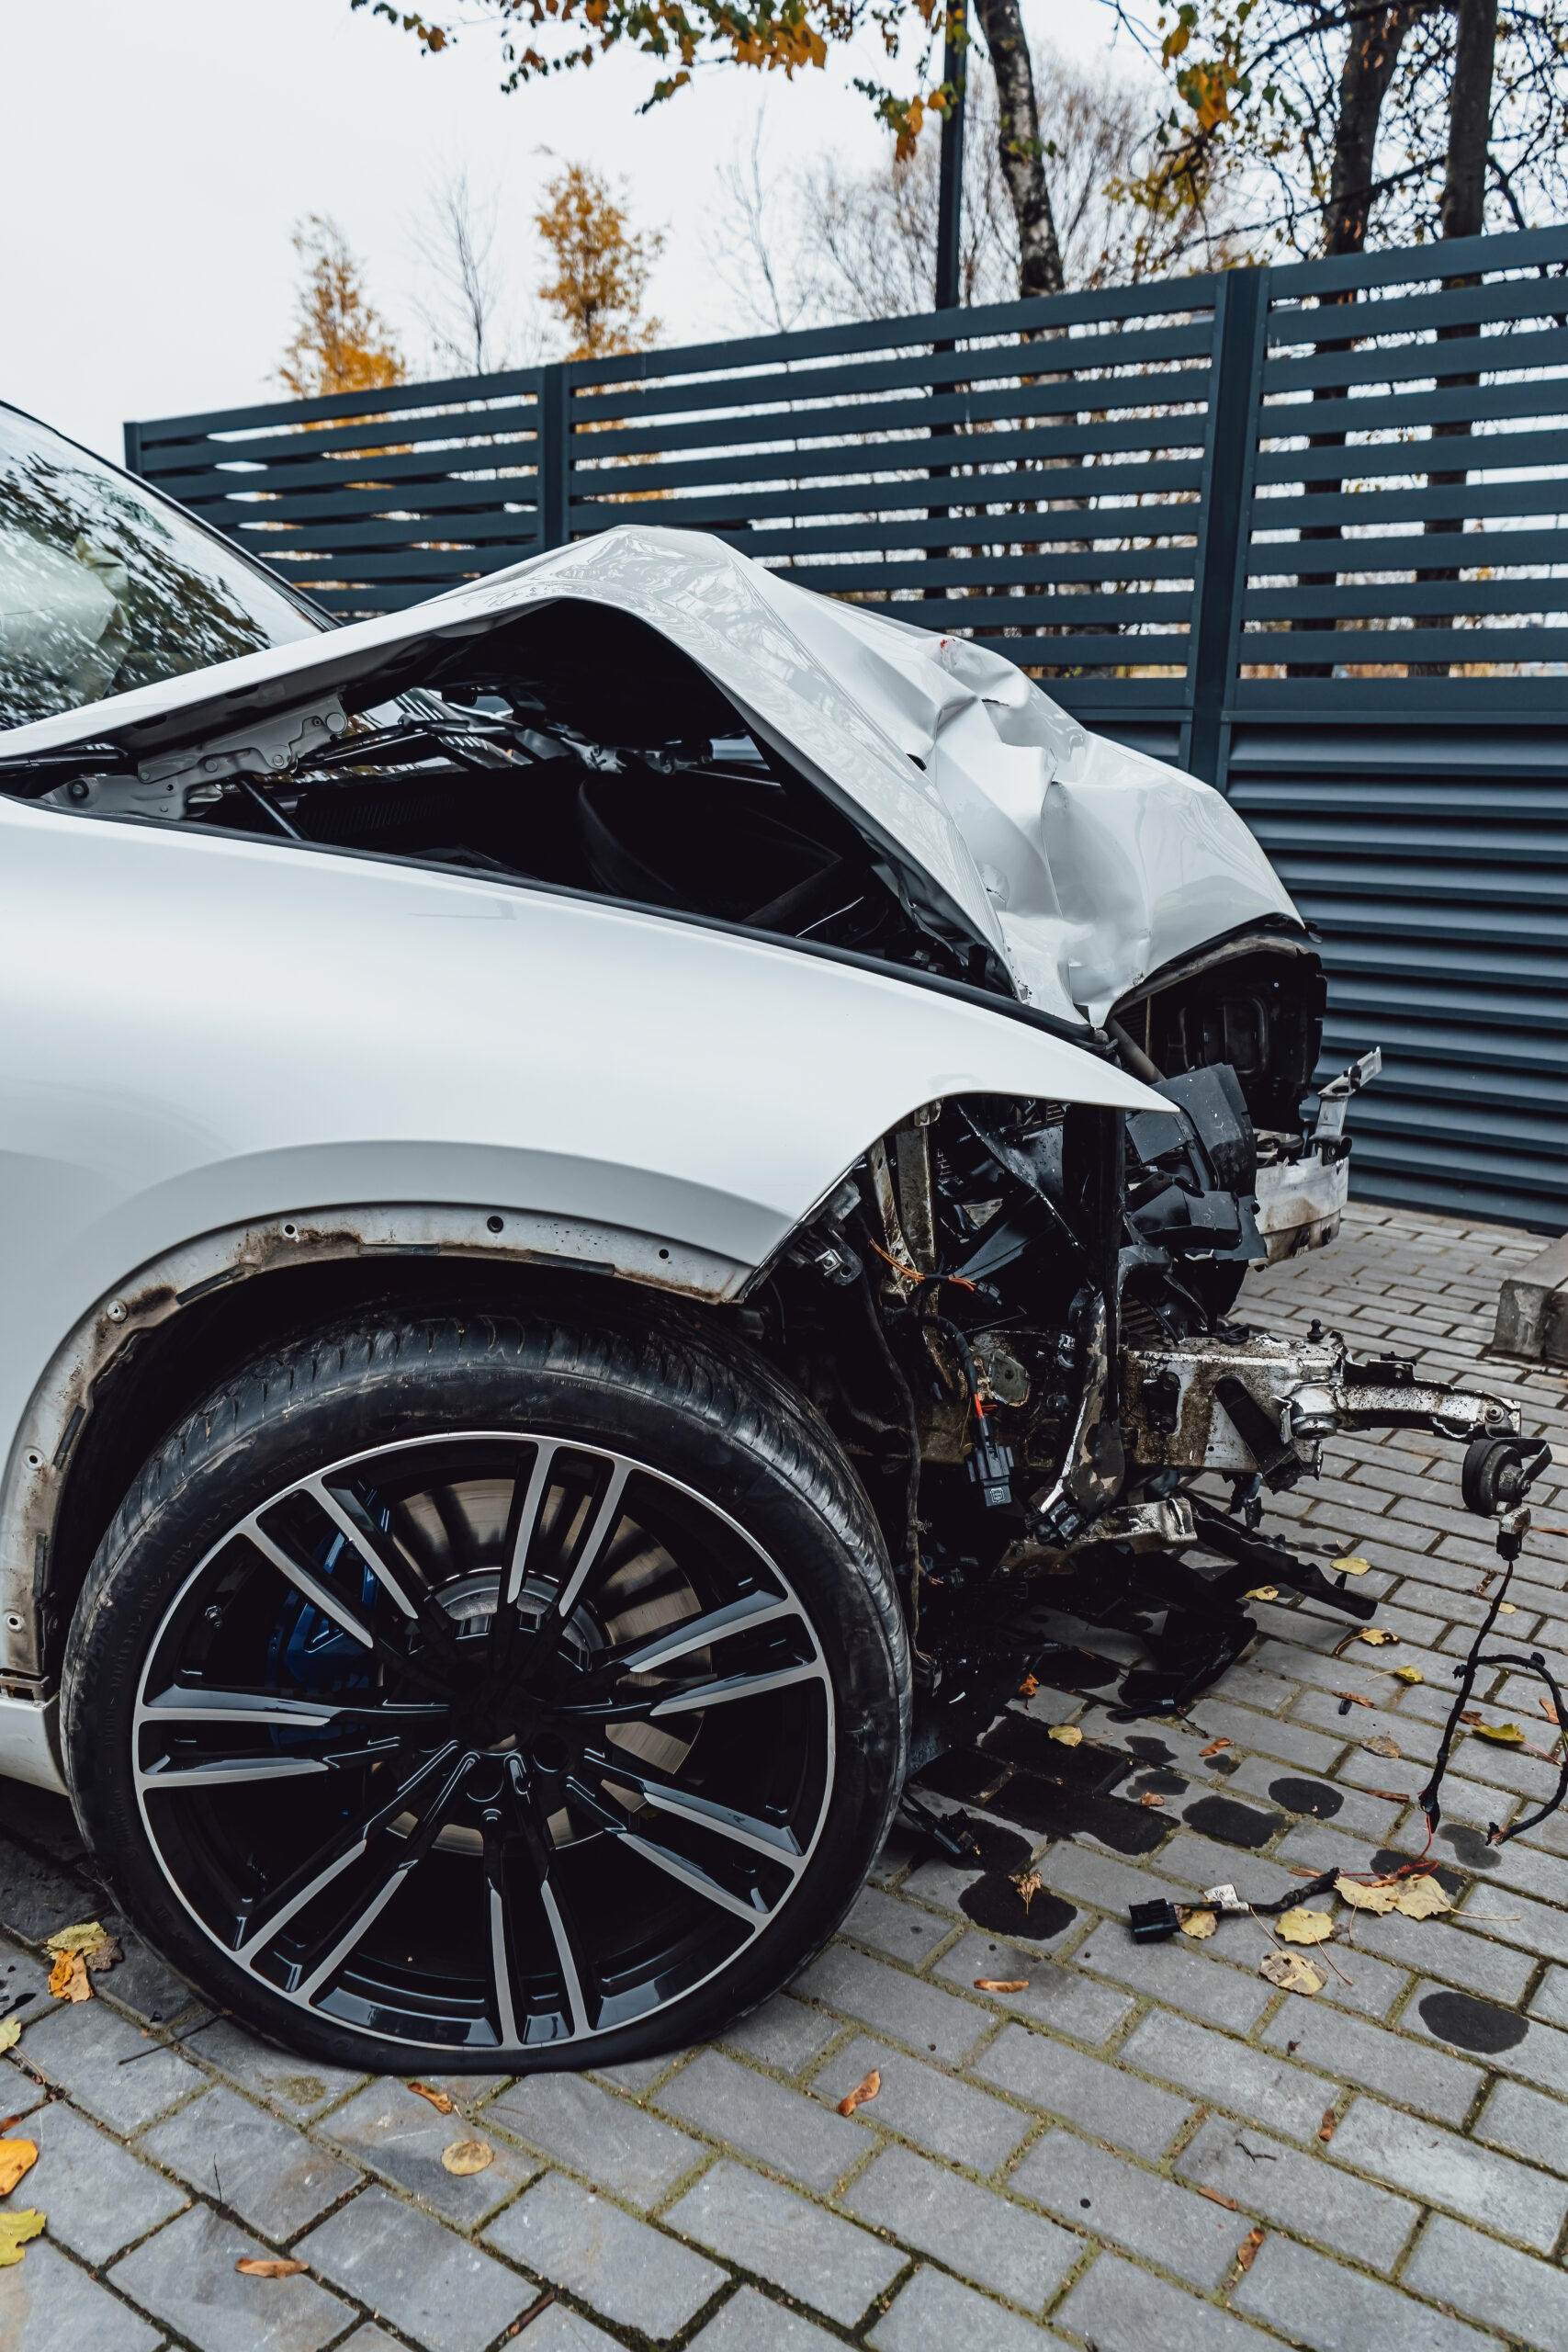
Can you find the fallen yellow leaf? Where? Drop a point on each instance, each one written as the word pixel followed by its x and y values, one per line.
pixel 1378 1635
pixel 866 2088
pixel 1293 1972
pixel 1264 1592
pixel 1001 1983
pixel 1246 2252
pixel 1506 1609
pixel 1380 1744
pixel 68 1978
pixel 466 2157
pixel 10 2032
pixel 1216 1747
pixel 1300 1926
pixel 438 2100
pixel 1350 1565
pixel 1217 2196
pixel 1377 1899
pixel 1197 1924
pixel 16 2229
pixel 1028 1686
pixel 1549 1712
pixel 251 2265
pixel 16 2156
pixel 1408 1674
pixel 78 1939
pixel 1422 1898
pixel 1068 1734
pixel 1505 1734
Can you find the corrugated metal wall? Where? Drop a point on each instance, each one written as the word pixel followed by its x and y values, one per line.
pixel 1109 488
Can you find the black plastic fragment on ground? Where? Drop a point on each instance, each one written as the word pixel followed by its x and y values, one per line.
pixel 1471 2024
pixel 1233 1823
pixel 1307 1796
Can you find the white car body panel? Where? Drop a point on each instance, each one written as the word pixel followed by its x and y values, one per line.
pixel 1085 866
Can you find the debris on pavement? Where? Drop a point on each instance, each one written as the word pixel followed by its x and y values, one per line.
pixel 438 2100
pixel 1300 1926
pixel 1246 2252
pixel 86 1947
pixel 1197 1923
pixel 15 2230
pixel 1291 1971
pixel 1001 1983
pixel 466 2157
pixel 252 2266
pixel 866 2088
pixel 16 2156
pixel 1067 1734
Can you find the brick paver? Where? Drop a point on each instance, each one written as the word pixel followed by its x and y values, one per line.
pixel 1091 2160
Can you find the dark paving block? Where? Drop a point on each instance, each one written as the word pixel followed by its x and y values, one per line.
pixel 412 2272
pixel 271 2176
pixel 185 2277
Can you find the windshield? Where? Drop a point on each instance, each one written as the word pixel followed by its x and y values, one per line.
pixel 104 587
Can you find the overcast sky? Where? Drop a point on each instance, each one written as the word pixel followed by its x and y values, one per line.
pixel 153 161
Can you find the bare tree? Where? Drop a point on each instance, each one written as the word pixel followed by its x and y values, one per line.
pixel 464 312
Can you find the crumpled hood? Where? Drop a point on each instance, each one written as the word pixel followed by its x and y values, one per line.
pixel 1083 866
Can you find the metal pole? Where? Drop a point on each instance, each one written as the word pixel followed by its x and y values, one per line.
pixel 950 196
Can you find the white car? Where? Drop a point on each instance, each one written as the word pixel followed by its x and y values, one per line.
pixel 601 1178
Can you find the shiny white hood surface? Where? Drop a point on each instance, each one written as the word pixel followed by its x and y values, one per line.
pixel 1083 866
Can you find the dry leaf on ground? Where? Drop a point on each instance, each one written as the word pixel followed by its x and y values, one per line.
pixel 103 1956
pixel 1505 1734
pixel 251 2265
pixel 1001 1983
pixel 1264 1592
pixel 1325 2129
pixel 1068 1734
pixel 1218 2196
pixel 16 2229
pixel 1355 1698
pixel 466 2157
pixel 1293 1972
pixel 1506 1609
pixel 438 2100
pixel 1028 1686
pixel 1350 1565
pixel 1029 1884
pixel 1302 1925
pixel 1378 1636
pixel 1216 1747
pixel 68 1978
pixel 1408 1674
pixel 1149 1797
pixel 1199 1924
pixel 1377 1899
pixel 866 2088
pixel 1549 1712
pixel 10 2032
pixel 16 2156
pixel 1246 2252
pixel 1380 1744
pixel 1422 1898
pixel 78 1939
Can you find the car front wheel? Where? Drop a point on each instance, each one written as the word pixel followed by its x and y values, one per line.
pixel 514 1693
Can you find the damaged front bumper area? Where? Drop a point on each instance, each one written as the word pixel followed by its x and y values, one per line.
pixel 1019 1318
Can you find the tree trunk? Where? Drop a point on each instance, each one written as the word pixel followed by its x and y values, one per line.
pixel 1461 210
pixel 1370 59
pixel 1023 152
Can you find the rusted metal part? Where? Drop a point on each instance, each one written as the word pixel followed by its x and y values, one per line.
pixel 39 1470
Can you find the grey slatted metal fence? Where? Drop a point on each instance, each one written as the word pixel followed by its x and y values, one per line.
pixel 1301 529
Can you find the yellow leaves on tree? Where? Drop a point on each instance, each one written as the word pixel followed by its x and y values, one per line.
pixel 601 265
pixel 341 342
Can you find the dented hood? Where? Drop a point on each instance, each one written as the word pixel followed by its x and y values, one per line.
pixel 1082 866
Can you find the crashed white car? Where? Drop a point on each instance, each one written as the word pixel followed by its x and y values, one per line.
pixel 601 1176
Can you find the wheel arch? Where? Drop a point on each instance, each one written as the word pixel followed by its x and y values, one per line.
pixel 147 1350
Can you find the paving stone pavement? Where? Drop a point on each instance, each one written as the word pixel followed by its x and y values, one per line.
pixel 1087 2159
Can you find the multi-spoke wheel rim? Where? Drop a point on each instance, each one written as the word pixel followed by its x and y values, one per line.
pixel 484 1742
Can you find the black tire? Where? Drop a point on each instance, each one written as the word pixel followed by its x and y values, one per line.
pixel 734 1484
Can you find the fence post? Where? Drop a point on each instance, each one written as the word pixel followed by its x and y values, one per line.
pixel 1241 310
pixel 555 455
